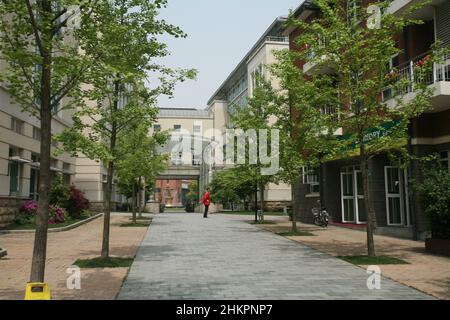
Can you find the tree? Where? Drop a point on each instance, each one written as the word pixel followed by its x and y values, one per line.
pixel 230 186
pixel 137 160
pixel 257 116
pixel 43 73
pixel 124 37
pixel 350 94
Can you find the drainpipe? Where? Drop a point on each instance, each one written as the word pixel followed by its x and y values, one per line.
pixel 411 198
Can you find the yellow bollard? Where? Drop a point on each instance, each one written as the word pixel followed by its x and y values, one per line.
pixel 37 291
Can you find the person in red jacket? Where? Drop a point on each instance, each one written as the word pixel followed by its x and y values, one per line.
pixel 206 200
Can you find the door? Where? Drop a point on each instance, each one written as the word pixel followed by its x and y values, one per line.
pixel 13 178
pixel 360 204
pixel 348 197
pixel 396 196
pixel 352 196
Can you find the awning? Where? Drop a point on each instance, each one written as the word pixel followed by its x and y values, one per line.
pixel 19 159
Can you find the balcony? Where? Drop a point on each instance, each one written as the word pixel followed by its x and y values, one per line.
pixel 439 78
pixel 321 65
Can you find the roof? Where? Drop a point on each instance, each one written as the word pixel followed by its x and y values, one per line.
pixel 306 7
pixel 183 113
pixel 274 29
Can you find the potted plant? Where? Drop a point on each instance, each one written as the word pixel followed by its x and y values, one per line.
pixel 434 192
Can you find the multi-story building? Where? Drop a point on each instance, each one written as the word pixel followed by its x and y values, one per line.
pixel 239 86
pixel 338 184
pixel 20 137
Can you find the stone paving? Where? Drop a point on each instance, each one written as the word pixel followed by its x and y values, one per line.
pixel 184 256
pixel 63 249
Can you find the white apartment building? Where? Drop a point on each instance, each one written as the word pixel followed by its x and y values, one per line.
pixel 239 86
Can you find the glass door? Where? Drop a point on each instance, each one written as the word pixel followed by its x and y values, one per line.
pixel 348 197
pixel 360 204
pixel 396 196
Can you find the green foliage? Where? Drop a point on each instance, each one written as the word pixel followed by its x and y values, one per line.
pixel 434 192
pixel 104 263
pixel 365 260
pixel 231 186
pixel 59 192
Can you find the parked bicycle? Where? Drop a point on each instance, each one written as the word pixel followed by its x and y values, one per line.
pixel 321 216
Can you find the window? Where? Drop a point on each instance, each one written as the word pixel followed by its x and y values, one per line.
pixel 352 13
pixel 177 127
pixel 17 125
pixel 310 176
pixel 36 133
pixel 197 128
pixel 157 128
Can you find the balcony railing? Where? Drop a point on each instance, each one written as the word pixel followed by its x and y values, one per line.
pixel 407 73
pixel 277 39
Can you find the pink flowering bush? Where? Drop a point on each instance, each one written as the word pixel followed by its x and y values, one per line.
pixel 29 208
pixel 56 214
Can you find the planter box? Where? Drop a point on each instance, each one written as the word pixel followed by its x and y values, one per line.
pixel 438 246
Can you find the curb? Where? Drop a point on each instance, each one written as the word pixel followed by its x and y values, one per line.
pixel 3 253
pixel 62 229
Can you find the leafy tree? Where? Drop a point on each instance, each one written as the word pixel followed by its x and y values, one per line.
pixel 137 160
pixel 124 38
pixel 258 114
pixel 434 192
pixel 349 97
pixel 43 71
pixel 229 186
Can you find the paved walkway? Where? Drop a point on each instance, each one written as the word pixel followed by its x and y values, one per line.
pixel 63 249
pixel 184 256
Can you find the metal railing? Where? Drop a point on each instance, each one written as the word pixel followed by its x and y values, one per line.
pixel 408 73
pixel 277 39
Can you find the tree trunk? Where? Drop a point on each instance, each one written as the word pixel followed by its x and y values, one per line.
pixel 108 191
pixel 133 202
pixel 141 195
pixel 261 199
pixel 293 215
pixel 256 202
pixel 368 204
pixel 40 238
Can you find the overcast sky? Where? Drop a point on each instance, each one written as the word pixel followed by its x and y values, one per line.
pixel 220 33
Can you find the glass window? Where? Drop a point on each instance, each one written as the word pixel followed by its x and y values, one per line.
pixel 36 133
pixel 17 125
pixel 177 127
pixel 157 128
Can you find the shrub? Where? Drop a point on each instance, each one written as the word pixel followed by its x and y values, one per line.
pixel 59 193
pixel 27 213
pixel 56 214
pixel 77 202
pixel 434 192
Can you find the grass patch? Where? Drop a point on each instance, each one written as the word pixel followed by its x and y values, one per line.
pixel 366 260
pixel 263 222
pixel 31 226
pixel 142 218
pixel 252 213
pixel 296 234
pixel 137 224
pixel 104 263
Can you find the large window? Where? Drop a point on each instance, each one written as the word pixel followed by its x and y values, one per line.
pixel 396 196
pixel 36 134
pixel 17 125
pixel 157 128
pixel 310 176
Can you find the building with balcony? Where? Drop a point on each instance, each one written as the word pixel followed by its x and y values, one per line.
pixel 338 184
pixel 20 137
pixel 239 86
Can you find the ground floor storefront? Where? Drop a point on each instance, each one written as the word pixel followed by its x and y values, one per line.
pixel 337 185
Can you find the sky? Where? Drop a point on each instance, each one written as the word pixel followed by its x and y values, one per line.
pixel 220 33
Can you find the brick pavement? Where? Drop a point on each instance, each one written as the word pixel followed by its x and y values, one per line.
pixel 187 257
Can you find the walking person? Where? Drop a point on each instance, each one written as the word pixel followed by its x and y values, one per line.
pixel 206 200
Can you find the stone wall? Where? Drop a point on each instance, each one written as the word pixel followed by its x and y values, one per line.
pixel 9 208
